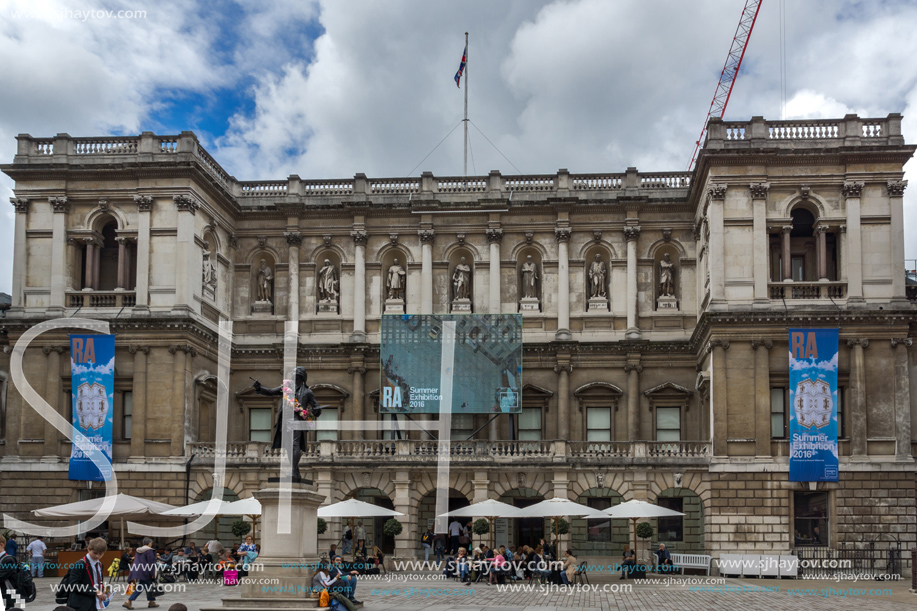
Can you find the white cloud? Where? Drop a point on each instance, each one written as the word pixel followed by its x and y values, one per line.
pixel 98 369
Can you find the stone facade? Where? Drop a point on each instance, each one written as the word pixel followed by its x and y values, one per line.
pixel 629 395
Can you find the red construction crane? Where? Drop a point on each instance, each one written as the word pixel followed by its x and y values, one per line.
pixel 730 69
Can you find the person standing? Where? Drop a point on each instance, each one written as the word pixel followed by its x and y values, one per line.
pixel 36 551
pixel 426 540
pixel 360 531
pixel 12 548
pixel 143 569
pixel 455 531
pixel 87 588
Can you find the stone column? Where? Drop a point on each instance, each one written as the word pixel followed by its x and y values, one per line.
pixel 357 369
pixel 762 398
pixel 89 270
pixel 53 397
pixel 19 251
pixel 842 253
pixel 719 347
pixel 406 543
pixel 822 256
pixel 631 233
pixel 857 397
pixel 494 237
pixel 481 483
pixel 787 262
pixel 563 368
pixel 760 242
pixel 294 239
pixel 896 207
pixel 426 270
pixel 633 368
pixel 138 387
pixel 179 367
pixel 717 243
pixel 562 234
pixel 854 254
pixel 902 400
pixel 142 290
pixel 359 286
pixel 186 208
pixel 61 209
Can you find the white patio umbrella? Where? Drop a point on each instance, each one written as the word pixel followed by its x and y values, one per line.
pixel 352 508
pixel 250 507
pixel 489 509
pixel 636 510
pixel 201 509
pixel 126 506
pixel 556 509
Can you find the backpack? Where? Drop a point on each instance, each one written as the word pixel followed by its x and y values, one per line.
pixel 426 538
pixel 348 535
pixel 24 585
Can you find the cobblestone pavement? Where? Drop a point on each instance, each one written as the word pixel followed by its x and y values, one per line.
pixel 423 592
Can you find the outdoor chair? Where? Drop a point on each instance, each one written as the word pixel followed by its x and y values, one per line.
pixel 579 575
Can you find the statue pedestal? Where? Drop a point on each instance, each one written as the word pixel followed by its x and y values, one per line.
pixel 327 306
pixel 667 303
pixel 394 306
pixel 598 304
pixel 209 293
pixel 461 305
pixel 529 304
pixel 289 559
pixel 263 307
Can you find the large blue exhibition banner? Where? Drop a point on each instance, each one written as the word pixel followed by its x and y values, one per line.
pixel 813 405
pixel 92 375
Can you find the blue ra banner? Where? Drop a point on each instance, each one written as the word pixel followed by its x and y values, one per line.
pixel 813 405
pixel 92 375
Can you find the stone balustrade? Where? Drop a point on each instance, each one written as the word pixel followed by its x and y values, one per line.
pixel 811 133
pixel 807 290
pixel 101 299
pixel 478 452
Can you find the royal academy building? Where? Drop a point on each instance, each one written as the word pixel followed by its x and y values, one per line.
pixel 655 310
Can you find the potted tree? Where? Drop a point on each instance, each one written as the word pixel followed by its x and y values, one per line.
pixel 645 531
pixel 392 528
pixel 481 527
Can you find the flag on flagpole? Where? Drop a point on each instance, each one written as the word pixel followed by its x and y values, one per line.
pixel 461 70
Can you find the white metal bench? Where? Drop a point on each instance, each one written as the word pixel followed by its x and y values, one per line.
pixel 691 561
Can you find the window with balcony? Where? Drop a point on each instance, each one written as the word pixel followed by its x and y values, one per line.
pixel 260 424
pixel 462 427
pixel 598 424
pixel 598 401
pixel 778 412
pixel 669 402
pixel 668 423
pixel 127 413
pixel 334 399
pixel 671 529
pixel 393 427
pixel 599 530
pixel 329 417
pixel 530 424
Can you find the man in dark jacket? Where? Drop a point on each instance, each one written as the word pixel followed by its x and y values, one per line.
pixel 9 571
pixel 143 569
pixel 306 399
pixel 85 578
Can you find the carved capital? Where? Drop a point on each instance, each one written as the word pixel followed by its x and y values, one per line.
pixel 852 189
pixel 60 204
pixel 21 204
pixel 896 187
pixel 136 349
pixel 766 344
pixel 902 341
pixel 294 238
pixel 128 240
pixel 786 229
pixel 58 349
pixel 185 203
pixel 92 241
pixel 805 191
pixel 842 228
pixel 359 237
pixel 631 232
pixel 562 234
pixel 820 229
pixel 857 342
pixel 144 202
pixel 717 343
pixel 494 235
pixel 187 349
pixel 717 192
pixel 563 367
pixel 361 370
pixel 426 236
pixel 759 190
pixel 633 367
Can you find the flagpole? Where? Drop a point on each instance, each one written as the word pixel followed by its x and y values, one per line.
pixel 466 105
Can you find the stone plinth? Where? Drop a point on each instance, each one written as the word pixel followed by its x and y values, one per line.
pixel 262 308
pixel 667 303
pixel 529 304
pixel 287 558
pixel 394 306
pixel 461 305
pixel 327 307
pixel 598 304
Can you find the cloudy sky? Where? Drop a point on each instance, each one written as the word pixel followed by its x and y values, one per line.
pixel 330 88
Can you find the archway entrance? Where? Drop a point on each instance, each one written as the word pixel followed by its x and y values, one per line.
pixel 520 531
pixel 375 534
pixel 683 534
pixel 220 527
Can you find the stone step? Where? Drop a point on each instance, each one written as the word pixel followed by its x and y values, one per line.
pixel 267 604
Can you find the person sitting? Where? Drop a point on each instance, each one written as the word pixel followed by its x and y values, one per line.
pixel 246 560
pixel 332 553
pixel 206 561
pixel 127 556
pixel 628 562
pixel 344 582
pixel 180 564
pixel 464 566
pixel 663 558
pixel 245 547
pixel 223 563
pixel 498 569
pixel 540 564
pixel 569 568
pixel 359 552
pixel 320 581
pixel 194 561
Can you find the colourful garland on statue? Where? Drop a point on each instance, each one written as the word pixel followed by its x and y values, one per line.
pixel 300 412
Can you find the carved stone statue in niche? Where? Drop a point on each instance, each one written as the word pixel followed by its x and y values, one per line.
pixel 265 282
pixel 328 283
pixel 461 281
pixel 529 277
pixel 666 277
pixel 395 281
pixel 597 275
pixel 208 275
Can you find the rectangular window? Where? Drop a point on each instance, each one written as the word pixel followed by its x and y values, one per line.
pixel 778 413
pixel 810 510
pixel 127 414
pixel 393 427
pixel 841 428
pixel 462 426
pixel 798 266
pixel 259 424
pixel 599 529
pixel 530 424
pixel 329 415
pixel 668 424
pixel 671 529
pixel 598 424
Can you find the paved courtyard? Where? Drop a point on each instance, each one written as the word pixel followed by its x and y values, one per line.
pixel 423 592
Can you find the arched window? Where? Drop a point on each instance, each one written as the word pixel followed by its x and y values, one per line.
pixel 108 260
pixel 806 250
